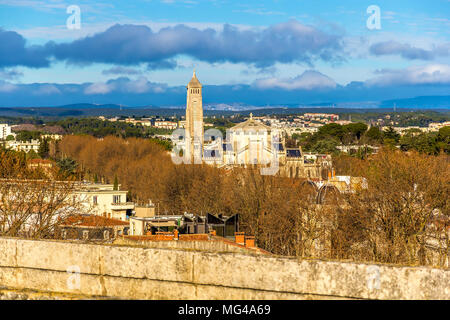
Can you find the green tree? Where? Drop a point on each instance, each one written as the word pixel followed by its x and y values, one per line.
pixel 28 135
pixel 325 146
pixel 67 166
pixel 32 155
pixel 390 137
pixel 331 129
pixel 116 183
pixel 374 135
pixel 443 139
pixel 356 130
pixel 44 149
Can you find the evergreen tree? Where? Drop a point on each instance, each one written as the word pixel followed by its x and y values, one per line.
pixel 67 166
pixel 44 149
pixel 116 183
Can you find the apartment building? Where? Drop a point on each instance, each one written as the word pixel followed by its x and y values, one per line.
pixel 103 200
pixel 25 146
pixel 5 130
pixel 170 125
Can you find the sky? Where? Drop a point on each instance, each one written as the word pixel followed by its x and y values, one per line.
pixel 140 53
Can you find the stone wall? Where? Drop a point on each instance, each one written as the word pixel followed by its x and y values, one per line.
pixel 153 273
pixel 216 244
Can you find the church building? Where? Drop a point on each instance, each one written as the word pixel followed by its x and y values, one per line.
pixel 249 143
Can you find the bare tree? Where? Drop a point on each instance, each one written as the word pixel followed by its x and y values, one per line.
pixel 33 208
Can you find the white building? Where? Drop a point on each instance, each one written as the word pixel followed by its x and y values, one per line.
pixel 52 136
pixel 435 126
pixel 103 200
pixel 5 130
pixel 249 142
pixel 25 146
pixel 170 125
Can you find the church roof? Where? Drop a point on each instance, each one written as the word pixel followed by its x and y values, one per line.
pixel 194 83
pixel 251 124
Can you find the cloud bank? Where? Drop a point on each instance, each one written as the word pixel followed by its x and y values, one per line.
pixel 432 74
pixel 308 80
pixel 308 87
pixel 14 52
pixel 407 51
pixel 288 42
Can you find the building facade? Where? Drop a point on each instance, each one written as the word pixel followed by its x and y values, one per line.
pixel 25 146
pixel 103 200
pixel 250 143
pixel 5 130
pixel 194 121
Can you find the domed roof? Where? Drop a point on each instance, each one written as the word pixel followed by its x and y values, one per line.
pixel 194 83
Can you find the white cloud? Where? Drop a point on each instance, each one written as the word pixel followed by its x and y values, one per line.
pixel 10 74
pixel 309 80
pixel 140 85
pixel 47 89
pixel 7 87
pixel 98 88
pixel 124 84
pixel 427 74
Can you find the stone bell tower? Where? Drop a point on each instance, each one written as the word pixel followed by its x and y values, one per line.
pixel 194 121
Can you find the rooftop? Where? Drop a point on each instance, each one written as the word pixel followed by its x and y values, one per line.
pixel 251 124
pixel 93 221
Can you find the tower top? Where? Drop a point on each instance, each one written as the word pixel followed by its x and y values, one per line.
pixel 194 83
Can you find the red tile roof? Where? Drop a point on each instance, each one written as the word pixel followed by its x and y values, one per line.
pixel 93 221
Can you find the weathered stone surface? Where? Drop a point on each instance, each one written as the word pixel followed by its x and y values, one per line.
pixel 59 255
pixel 8 252
pixel 152 273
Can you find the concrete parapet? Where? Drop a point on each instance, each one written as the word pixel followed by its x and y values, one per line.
pixel 121 271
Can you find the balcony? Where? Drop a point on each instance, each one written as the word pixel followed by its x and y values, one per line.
pixel 122 206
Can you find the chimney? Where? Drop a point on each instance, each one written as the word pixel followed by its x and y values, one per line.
pixel 249 241
pixel 239 237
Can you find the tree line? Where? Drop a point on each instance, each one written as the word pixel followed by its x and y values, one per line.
pixel 331 135
pixel 389 221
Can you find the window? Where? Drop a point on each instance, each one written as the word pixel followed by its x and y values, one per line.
pixel 106 234
pixel 85 234
pixel 63 234
pixel 116 199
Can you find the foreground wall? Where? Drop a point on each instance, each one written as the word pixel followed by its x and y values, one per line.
pixel 152 273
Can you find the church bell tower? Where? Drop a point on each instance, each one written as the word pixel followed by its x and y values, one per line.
pixel 194 121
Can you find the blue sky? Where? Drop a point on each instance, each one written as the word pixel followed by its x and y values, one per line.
pixel 143 52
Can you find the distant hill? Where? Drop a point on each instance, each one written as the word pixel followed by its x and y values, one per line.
pixel 89 106
pixel 441 103
pixel 425 102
